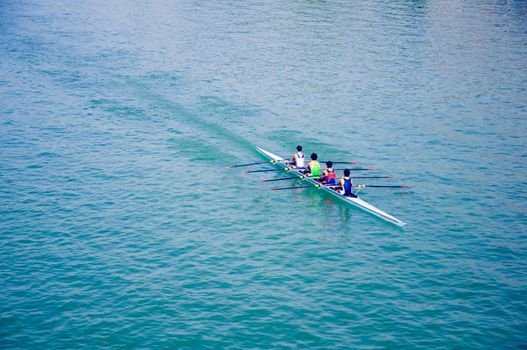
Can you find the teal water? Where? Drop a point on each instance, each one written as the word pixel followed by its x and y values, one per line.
pixel 121 227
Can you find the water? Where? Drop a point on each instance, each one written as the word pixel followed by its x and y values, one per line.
pixel 122 227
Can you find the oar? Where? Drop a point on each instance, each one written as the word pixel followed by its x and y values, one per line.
pixel 372 177
pixel 374 186
pixel 261 171
pixel 287 169
pixel 325 161
pixel 357 169
pixel 289 188
pixel 283 178
pixel 240 165
pixel 355 177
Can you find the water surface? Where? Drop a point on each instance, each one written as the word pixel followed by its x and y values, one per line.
pixel 122 227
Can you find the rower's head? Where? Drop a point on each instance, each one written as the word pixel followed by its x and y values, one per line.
pixel 314 156
pixel 299 148
pixel 329 164
pixel 347 172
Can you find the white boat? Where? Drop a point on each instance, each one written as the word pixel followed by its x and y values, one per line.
pixel 357 202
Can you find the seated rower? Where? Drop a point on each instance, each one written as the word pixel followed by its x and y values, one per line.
pixel 346 185
pixel 313 167
pixel 330 174
pixel 298 160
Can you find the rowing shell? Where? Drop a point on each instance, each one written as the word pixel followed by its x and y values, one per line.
pixel 357 202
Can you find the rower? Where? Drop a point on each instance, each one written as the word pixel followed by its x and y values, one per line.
pixel 330 174
pixel 346 185
pixel 298 160
pixel 314 166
